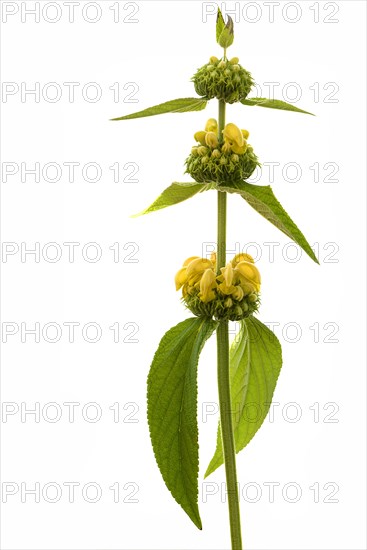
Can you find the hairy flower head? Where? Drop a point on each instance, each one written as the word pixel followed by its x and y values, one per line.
pixel 233 294
pixel 225 158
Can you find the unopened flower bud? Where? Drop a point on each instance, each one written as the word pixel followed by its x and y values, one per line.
pixel 202 150
pixel 216 154
pixel 245 133
pixel 228 302
pixel 235 158
pixel 213 60
pixel 234 60
pixel 226 147
pixel 211 139
pixel 238 311
pixel 238 293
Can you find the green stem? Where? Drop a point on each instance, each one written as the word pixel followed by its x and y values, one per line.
pixel 224 391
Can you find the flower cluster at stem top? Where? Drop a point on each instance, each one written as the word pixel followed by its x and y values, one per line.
pixel 224 79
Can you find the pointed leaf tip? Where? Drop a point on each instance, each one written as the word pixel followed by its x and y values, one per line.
pixel 263 200
pixel 174 194
pixel 181 105
pixel 224 31
pixel 273 104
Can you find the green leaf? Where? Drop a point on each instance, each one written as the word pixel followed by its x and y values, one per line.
pixel 273 104
pixel 175 193
pixel 224 32
pixel 255 363
pixel 172 410
pixel 263 200
pixel 220 25
pixel 182 105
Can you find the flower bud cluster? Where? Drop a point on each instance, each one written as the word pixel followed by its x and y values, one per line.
pixel 226 159
pixel 223 79
pixel 231 295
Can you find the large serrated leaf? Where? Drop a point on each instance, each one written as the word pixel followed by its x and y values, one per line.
pixel 255 363
pixel 273 104
pixel 182 105
pixel 174 194
pixel 172 410
pixel 263 200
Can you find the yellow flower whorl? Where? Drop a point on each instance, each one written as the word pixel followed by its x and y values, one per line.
pixel 232 295
pixel 223 159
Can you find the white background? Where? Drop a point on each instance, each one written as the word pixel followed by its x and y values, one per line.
pixel 323 52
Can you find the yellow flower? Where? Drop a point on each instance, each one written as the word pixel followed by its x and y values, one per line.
pixel 211 126
pixel 196 268
pixel 226 286
pixel 249 276
pixel 234 138
pixel 207 285
pixel 181 275
pixel 180 278
pixel 200 137
pixel 211 140
pixel 209 135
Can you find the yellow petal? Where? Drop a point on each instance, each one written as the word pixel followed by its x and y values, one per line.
pixel 239 149
pixel 245 133
pixel 242 257
pixel 225 289
pixel 186 262
pixel 194 279
pixel 207 285
pixel 211 140
pixel 200 137
pixel 249 273
pixel 181 278
pixel 232 134
pixel 227 273
pixel 211 126
pixel 198 266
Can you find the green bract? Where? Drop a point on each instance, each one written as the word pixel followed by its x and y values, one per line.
pixel 206 164
pixel 223 307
